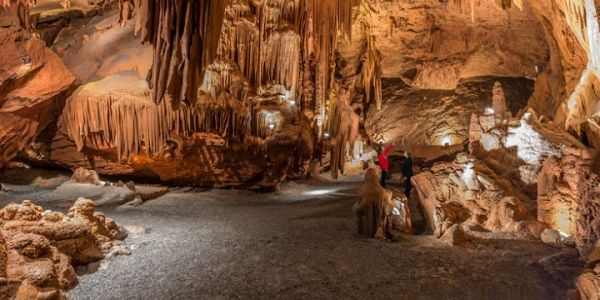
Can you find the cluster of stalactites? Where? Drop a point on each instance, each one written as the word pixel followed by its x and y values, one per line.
pixel 185 35
pixel 7 3
pixel 329 18
pixel 96 122
pixel 371 70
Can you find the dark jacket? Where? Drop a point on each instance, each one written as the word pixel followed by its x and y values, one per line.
pixel 407 167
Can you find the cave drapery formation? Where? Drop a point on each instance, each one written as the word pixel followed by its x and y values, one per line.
pixel 259 56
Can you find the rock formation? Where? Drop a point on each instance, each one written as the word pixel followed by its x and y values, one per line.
pixel 38 249
pixel 469 193
pixel 378 213
pixel 32 80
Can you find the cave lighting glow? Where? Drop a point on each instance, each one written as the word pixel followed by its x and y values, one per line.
pixel 269 119
pixel 489 111
pixel 319 192
pixel 562 219
pixel 468 176
pixel 446 140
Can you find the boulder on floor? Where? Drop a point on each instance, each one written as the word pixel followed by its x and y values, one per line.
pixel 83 175
pixel 39 248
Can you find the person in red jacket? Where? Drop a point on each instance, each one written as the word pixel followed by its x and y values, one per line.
pixel 383 162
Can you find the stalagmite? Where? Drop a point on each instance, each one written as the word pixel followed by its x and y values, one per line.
pixel 498 101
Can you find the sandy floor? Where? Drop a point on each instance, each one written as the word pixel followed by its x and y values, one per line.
pixel 298 243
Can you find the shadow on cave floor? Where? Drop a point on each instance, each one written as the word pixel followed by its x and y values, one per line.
pixel 299 242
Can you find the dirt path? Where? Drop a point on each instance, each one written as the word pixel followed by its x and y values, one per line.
pixel 235 244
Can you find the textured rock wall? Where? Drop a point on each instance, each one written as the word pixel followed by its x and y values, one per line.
pixel 434 44
pixel 433 117
pixel 468 192
pixel 568 195
pixel 32 79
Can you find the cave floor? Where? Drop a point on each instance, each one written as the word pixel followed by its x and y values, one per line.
pixel 297 243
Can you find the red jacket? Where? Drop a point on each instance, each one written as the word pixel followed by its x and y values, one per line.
pixel 383 160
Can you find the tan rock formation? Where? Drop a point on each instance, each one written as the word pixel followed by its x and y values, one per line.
pixel 468 192
pixel 38 249
pixel 568 187
pixel 377 214
pixel 83 175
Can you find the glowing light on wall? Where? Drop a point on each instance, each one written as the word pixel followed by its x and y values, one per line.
pixel 489 111
pixel 269 119
pixel 468 176
pixel 562 219
pixel 446 140
pixel 320 192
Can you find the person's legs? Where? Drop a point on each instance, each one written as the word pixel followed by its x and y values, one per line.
pixel 407 187
pixel 383 177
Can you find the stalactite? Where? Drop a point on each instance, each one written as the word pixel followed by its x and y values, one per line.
pixel 328 18
pixel 281 59
pixel 185 36
pixel 96 121
pixel 472 3
pixel 342 123
pixel 225 76
pixel 371 70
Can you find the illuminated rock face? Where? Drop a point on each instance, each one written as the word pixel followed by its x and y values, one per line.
pixel 267 81
pixel 378 212
pixel 469 193
pixel 568 193
pixel 32 80
pixel 434 44
pixel 112 124
pixel 433 117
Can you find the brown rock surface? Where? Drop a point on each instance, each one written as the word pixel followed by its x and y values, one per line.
pixel 568 193
pixel 434 44
pixel 32 78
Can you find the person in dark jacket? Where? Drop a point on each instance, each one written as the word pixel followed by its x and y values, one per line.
pixel 407 171
pixel 383 162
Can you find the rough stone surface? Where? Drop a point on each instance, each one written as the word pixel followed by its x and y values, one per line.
pixel 38 249
pixel 466 191
pixel 32 78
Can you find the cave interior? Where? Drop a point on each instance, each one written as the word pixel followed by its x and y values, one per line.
pixel 412 149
